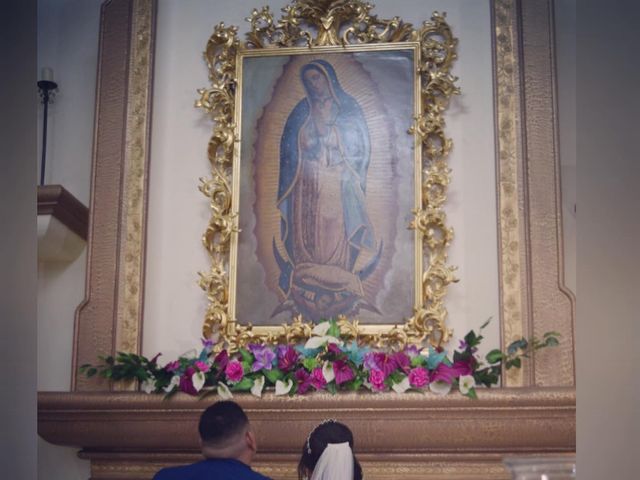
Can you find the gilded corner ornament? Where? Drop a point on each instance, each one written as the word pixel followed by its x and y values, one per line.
pixel 314 24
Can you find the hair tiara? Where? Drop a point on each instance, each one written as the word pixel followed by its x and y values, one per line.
pixel 323 422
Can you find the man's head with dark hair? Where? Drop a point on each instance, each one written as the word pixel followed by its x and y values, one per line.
pixel 225 432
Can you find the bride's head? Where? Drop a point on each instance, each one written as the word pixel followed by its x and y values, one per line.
pixel 335 441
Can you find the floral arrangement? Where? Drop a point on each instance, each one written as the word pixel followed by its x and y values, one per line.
pixel 325 362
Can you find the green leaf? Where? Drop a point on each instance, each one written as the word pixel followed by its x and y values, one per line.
pixel 355 384
pixel 334 329
pixel 494 356
pixel 513 348
pixel 397 377
pixel 515 363
pixel 551 342
pixel 331 388
pixel 551 334
pixel 243 385
pixel 418 361
pixel 471 338
pixel 486 323
pixel 246 356
pixel 472 393
pixel 310 363
pixel 273 375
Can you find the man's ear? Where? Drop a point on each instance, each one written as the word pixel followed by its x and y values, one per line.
pixel 250 438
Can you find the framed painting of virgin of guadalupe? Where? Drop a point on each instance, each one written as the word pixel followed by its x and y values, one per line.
pixel 329 180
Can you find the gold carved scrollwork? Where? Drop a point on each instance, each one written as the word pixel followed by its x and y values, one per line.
pixel 310 24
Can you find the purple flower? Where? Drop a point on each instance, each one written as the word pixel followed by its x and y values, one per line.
pixel 172 366
pixel 186 384
pixel 207 344
pixel 203 367
pixel 376 379
pixel 343 372
pixel 462 345
pixel 369 361
pixel 222 360
pixel 333 348
pixel 287 358
pixel 264 357
pixel 412 351
pixel 444 373
pixel 234 371
pixel 418 377
pixel 317 379
pixel 304 381
pixel 402 361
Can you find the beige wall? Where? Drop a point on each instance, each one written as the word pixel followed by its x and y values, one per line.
pixel 178 213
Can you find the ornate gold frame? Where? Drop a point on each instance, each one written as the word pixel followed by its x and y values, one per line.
pixel 331 26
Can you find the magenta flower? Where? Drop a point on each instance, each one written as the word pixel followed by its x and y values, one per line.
pixel 221 360
pixel 287 358
pixel 385 363
pixel 376 379
pixel 172 366
pixel 186 384
pixel 333 348
pixel 418 377
pixel 462 368
pixel 234 371
pixel 304 381
pixel 203 367
pixel 402 361
pixel 444 373
pixel 342 371
pixel 264 357
pixel 317 379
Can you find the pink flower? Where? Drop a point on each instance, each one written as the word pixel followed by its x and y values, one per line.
pixel 376 379
pixel 304 381
pixel 234 371
pixel 418 377
pixel 385 363
pixel 343 372
pixel 172 366
pixel 203 367
pixel 317 379
pixel 186 384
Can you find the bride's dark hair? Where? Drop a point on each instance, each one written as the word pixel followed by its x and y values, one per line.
pixel 324 434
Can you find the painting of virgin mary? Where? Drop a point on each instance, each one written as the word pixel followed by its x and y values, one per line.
pixel 330 246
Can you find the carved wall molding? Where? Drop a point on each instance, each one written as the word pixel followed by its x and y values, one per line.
pixel 110 317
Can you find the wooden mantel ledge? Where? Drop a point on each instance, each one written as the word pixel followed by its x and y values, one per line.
pixel 55 200
pixel 501 421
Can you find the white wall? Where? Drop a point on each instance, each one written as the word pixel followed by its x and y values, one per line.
pixel 178 213
pixel 68 43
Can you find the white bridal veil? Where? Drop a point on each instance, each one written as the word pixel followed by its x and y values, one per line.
pixel 335 463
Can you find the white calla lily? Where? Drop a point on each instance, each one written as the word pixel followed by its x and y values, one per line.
pixel 148 386
pixel 402 386
pixel 224 391
pixel 439 387
pixel 317 342
pixel 175 381
pixel 283 388
pixel 198 381
pixel 190 354
pixel 321 329
pixel 327 372
pixel 466 383
pixel 258 386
